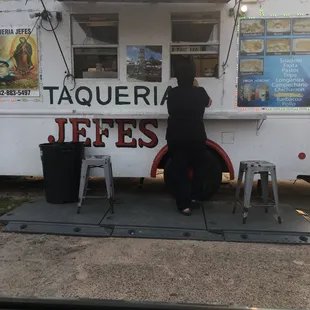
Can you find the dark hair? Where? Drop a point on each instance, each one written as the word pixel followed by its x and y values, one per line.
pixel 185 75
pixel 185 72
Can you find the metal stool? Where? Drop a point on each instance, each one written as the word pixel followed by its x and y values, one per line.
pixel 98 161
pixel 264 169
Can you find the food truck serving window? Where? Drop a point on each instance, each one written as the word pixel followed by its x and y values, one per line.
pixel 196 36
pixel 95 45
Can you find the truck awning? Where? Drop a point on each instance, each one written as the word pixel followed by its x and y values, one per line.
pixel 151 1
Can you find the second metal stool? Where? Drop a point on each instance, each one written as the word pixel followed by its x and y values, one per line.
pixel 97 161
pixel 264 169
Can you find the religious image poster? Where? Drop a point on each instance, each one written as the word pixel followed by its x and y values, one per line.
pixel 19 65
pixel 144 63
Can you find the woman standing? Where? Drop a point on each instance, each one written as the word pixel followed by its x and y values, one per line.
pixel 186 137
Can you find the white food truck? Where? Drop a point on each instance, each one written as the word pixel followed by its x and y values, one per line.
pixel 100 71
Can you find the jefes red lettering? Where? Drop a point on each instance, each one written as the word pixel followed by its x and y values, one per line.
pixel 126 139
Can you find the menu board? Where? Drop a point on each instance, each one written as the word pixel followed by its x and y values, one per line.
pixel 274 63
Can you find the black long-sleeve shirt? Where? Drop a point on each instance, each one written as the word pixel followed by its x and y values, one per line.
pixel 186 107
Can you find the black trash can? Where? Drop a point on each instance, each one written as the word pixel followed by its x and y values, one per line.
pixel 61 164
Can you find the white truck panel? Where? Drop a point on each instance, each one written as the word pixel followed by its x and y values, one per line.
pixel 280 139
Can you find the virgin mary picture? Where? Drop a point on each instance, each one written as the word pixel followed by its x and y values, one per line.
pixel 23 55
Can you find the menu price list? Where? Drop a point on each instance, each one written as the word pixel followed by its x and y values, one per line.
pixel 273 65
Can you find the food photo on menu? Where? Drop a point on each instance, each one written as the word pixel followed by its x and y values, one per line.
pixel 252 47
pixel 251 66
pixel 278 27
pixel 278 47
pixel 301 26
pixel 301 46
pixel 252 27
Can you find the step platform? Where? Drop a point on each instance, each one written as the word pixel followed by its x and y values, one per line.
pixel 148 215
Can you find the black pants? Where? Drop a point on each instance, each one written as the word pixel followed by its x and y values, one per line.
pixel 186 155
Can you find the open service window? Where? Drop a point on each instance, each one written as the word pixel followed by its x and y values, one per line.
pixel 195 38
pixel 95 45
